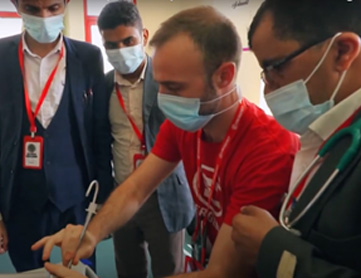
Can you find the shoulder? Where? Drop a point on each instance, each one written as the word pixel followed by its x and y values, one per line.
pixel 8 41
pixel 257 124
pixel 82 49
pixel 110 76
pixel 109 80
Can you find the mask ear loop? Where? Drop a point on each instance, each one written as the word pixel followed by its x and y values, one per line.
pixel 338 85
pixel 222 96
pixel 323 57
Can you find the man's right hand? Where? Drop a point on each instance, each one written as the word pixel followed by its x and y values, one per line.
pixel 68 240
pixel 3 238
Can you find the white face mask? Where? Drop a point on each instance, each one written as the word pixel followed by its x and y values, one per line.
pixel 184 112
pixel 126 60
pixel 291 105
pixel 43 29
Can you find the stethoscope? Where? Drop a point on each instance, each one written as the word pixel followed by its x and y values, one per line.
pixel 354 131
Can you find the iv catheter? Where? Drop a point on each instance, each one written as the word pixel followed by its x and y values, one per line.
pixel 91 211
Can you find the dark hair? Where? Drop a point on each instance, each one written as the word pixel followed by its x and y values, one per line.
pixel 211 31
pixel 119 13
pixel 308 21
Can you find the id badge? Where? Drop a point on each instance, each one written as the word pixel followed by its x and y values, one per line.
pixel 138 158
pixel 33 152
pixel 191 265
pixel 198 260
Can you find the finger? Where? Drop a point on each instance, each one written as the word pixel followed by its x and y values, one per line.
pixel 48 243
pixel 2 247
pixel 70 243
pixel 57 270
pixel 5 242
pixel 40 243
pixel 251 210
pixel 237 219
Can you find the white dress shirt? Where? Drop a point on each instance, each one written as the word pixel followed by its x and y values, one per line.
pixel 126 143
pixel 37 71
pixel 320 130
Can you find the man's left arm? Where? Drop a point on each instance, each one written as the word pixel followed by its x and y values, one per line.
pixel 101 130
pixel 225 260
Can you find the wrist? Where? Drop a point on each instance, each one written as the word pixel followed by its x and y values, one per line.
pixel 1 217
pixel 94 236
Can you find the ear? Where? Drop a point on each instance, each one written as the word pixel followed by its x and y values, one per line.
pixel 348 48
pixel 224 75
pixel 145 36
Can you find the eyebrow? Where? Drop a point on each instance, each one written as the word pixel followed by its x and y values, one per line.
pixel 121 40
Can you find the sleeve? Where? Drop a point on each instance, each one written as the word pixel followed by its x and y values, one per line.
pixel 263 177
pixel 308 261
pixel 166 144
pixel 101 130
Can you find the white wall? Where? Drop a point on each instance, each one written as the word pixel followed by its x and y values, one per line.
pixel 154 12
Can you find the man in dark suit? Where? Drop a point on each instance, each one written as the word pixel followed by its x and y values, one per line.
pixel 310 55
pixel 52 98
pixel 135 121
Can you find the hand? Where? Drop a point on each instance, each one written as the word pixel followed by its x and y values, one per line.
pixel 68 240
pixel 3 238
pixel 62 272
pixel 249 229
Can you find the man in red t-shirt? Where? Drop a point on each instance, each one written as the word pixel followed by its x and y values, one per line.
pixel 254 170
pixel 234 154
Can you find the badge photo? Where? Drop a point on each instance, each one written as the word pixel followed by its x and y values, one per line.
pixel 33 152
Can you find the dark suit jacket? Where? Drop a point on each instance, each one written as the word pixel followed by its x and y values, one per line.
pixel 84 68
pixel 175 200
pixel 330 245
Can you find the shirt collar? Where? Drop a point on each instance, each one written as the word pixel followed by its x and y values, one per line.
pixel 118 78
pixel 56 49
pixel 325 125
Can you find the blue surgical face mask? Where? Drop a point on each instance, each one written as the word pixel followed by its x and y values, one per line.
pixel 291 105
pixel 126 60
pixel 184 112
pixel 43 29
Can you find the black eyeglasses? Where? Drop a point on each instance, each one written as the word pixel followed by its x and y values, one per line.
pixel 265 73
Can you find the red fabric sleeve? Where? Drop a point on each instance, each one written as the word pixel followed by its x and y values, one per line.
pixel 166 144
pixel 262 178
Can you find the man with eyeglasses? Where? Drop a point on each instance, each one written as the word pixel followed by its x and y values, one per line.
pixel 310 55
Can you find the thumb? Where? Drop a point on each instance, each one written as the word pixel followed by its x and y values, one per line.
pixel 251 210
pixel 57 270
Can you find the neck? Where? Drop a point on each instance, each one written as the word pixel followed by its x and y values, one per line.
pixel 216 130
pixel 134 76
pixel 41 49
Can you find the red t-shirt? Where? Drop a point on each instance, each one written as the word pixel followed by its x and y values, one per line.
pixel 255 170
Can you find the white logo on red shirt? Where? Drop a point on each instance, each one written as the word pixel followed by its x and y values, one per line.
pixel 202 197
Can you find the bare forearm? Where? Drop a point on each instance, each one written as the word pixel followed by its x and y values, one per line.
pixel 127 198
pixel 122 204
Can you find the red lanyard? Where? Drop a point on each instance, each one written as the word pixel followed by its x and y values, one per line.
pixel 31 115
pixel 132 123
pixel 226 142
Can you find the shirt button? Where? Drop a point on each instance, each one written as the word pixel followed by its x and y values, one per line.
pixel 11 172
pixel 48 163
